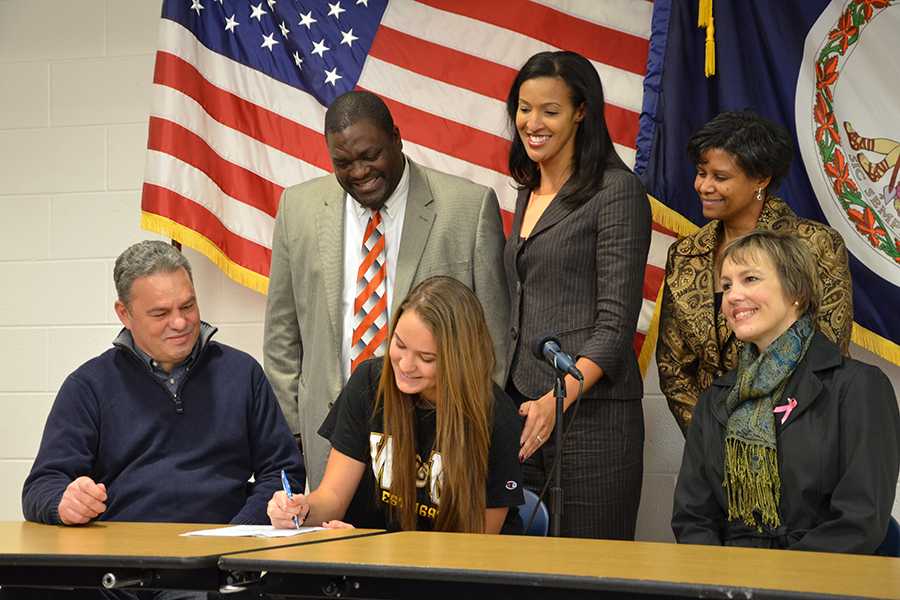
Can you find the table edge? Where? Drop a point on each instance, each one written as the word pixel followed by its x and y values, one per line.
pixel 483 576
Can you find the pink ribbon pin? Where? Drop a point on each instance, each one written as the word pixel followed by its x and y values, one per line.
pixel 786 409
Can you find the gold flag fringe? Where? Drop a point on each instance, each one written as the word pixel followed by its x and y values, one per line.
pixel 192 239
pixel 705 19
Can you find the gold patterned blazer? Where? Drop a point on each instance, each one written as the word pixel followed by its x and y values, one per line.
pixel 695 344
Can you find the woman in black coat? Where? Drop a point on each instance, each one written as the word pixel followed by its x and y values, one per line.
pixel 798 447
pixel 575 263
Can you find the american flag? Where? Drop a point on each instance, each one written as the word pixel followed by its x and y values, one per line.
pixel 241 88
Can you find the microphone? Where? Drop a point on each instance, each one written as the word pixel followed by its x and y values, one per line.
pixel 548 349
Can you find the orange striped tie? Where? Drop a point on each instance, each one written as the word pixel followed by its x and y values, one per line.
pixel 370 306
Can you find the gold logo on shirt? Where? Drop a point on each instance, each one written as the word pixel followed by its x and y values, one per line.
pixel 429 473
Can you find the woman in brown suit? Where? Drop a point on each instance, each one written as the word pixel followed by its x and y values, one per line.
pixel 575 263
pixel 740 158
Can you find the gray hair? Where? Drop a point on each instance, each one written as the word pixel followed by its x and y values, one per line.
pixel 143 259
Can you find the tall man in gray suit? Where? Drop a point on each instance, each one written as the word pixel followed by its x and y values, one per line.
pixel 403 223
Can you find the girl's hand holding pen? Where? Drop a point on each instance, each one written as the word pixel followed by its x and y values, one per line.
pixel 283 510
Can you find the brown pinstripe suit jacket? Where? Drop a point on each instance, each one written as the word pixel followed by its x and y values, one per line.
pixel 579 277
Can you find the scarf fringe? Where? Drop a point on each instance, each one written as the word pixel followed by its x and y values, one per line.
pixel 752 483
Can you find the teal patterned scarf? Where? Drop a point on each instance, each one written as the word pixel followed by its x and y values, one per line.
pixel 752 482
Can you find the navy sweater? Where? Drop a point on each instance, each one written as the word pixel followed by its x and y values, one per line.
pixel 116 423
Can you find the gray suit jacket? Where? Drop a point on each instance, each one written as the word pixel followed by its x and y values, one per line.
pixel 452 227
pixel 579 277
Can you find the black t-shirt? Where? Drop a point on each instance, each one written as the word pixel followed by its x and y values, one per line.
pixel 355 431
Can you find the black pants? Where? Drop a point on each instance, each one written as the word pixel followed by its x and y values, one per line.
pixel 602 468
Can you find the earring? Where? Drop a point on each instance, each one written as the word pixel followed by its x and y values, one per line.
pixel 759 194
pixel 796 303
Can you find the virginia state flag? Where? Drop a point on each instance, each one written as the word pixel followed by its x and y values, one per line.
pixel 826 70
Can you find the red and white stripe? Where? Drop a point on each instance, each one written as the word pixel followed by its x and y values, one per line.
pixel 225 140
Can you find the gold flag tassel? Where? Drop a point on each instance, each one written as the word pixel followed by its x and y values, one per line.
pixel 705 19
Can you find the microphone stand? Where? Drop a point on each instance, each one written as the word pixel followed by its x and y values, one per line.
pixel 556 492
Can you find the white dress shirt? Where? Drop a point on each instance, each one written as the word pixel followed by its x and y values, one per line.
pixel 356 217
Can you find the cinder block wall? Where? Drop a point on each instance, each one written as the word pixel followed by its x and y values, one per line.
pixel 73 123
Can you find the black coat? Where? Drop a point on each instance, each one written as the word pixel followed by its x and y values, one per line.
pixel 838 455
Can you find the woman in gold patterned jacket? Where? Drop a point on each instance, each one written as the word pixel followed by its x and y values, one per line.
pixel 740 158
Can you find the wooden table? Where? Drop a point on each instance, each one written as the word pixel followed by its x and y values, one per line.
pixel 435 565
pixel 153 553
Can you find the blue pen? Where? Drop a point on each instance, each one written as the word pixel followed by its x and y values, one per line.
pixel 287 490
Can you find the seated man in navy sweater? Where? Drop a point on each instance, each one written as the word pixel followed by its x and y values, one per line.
pixel 166 425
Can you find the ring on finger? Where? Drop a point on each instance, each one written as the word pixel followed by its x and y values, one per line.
pixel 539 439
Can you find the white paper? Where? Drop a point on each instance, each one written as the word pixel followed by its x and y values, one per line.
pixel 264 531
